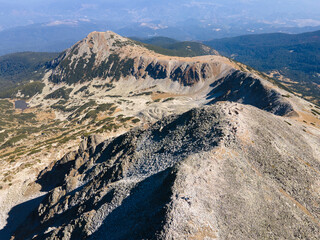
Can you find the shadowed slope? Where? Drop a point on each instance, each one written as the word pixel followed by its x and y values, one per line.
pixel 225 171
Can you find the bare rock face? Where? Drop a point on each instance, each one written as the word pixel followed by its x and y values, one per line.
pixel 244 88
pixel 108 56
pixel 226 171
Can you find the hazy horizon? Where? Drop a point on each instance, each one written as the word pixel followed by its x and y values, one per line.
pixel 123 12
pixel 55 25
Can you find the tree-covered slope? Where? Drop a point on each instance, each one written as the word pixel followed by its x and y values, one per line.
pixel 17 69
pixel 172 47
pixel 294 56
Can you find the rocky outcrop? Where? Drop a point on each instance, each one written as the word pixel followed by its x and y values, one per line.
pixel 120 58
pixel 227 171
pixel 114 58
pixel 247 89
pixel 108 55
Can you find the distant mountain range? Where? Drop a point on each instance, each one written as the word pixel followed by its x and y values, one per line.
pixel 56 36
pixel 292 59
pixel 48 37
pixel 294 56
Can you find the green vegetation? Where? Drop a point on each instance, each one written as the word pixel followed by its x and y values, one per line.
pixel 288 123
pixel 135 120
pixel 21 118
pixel 104 107
pixel 126 119
pixel 315 112
pixel 5 104
pixel 12 141
pixel 63 108
pixel 82 89
pixel 104 121
pixel 17 69
pixel 171 47
pixel 168 99
pixel 141 94
pixel 115 68
pixel 72 71
pixel 101 108
pixel 91 114
pixel 34 151
pixel 109 128
pixel 294 56
pixel 3 136
pixel 114 96
pixel 80 109
pixel 60 93
pixel 28 90
pixel 158 41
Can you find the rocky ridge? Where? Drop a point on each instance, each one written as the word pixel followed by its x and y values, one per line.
pixel 106 54
pixel 105 67
pixel 228 171
pixel 107 84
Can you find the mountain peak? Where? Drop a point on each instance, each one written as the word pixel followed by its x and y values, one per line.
pixel 107 56
pixel 108 35
pixel 100 41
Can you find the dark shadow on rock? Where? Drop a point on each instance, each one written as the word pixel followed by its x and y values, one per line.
pixel 18 215
pixel 142 214
pixel 52 178
pixel 243 88
pixel 49 179
pixel 33 223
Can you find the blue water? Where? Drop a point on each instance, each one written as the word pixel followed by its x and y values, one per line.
pixel 20 104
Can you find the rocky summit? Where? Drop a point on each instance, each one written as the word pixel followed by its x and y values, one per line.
pixel 165 147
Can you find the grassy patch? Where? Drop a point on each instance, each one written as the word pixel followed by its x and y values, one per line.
pixel 12 141
pixel 34 151
pixel 141 94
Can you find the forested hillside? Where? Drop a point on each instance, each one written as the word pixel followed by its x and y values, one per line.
pixel 293 56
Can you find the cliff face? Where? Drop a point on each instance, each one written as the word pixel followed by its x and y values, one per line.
pixel 244 88
pixel 222 171
pixel 110 57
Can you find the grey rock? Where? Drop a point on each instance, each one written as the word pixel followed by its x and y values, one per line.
pixel 226 171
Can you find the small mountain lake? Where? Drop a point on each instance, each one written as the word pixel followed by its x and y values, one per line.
pixel 20 104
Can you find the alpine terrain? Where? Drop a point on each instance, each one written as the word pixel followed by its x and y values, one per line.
pixel 124 142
